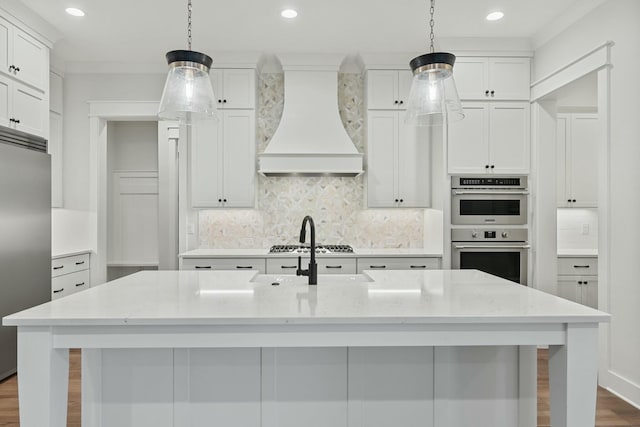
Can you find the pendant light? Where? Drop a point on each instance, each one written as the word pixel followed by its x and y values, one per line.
pixel 188 94
pixel 433 99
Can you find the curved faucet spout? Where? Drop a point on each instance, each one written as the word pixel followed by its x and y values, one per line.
pixel 312 271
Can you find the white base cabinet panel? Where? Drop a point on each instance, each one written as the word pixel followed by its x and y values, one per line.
pixel 314 387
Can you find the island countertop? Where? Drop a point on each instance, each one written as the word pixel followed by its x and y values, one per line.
pixel 244 298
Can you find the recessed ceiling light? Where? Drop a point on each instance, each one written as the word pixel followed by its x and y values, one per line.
pixel 495 16
pixel 74 11
pixel 289 13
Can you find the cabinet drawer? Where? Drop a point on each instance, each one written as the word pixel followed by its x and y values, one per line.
pixel 422 263
pixel 70 284
pixel 71 264
pixel 238 264
pixel 578 266
pixel 325 265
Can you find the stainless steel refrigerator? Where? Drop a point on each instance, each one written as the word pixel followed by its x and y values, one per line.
pixel 25 232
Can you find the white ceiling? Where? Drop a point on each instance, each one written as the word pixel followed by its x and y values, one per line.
pixel 143 30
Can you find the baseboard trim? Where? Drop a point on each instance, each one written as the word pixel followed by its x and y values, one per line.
pixel 623 388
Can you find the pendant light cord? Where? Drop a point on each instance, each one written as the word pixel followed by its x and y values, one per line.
pixel 431 23
pixel 189 24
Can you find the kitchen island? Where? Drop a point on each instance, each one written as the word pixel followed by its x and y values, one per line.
pixel 387 348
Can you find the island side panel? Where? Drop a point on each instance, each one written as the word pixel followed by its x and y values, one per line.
pixel 476 386
pixel 304 387
pixel 217 387
pixel 390 386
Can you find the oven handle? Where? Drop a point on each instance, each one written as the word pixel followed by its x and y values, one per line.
pixel 490 192
pixel 491 246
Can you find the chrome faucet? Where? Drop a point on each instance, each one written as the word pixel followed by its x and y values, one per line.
pixel 312 271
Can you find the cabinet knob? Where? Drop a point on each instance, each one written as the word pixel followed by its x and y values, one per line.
pixel 569 200
pixel 401 200
pixel 574 200
pixel 396 200
pixel 493 166
pixel 486 166
pixel 224 101
pixel 486 92
pixel 493 92
pixel 11 68
pixel 579 282
pixel 219 101
pixel 219 200
pixel 224 200
pixel 401 102
pixel 395 102
pixel 18 121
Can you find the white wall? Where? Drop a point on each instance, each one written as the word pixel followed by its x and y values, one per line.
pixel 577 229
pixel 78 90
pixel 72 231
pixel 616 20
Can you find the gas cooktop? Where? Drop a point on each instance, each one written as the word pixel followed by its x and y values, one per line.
pixel 303 249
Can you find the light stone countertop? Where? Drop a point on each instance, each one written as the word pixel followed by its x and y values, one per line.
pixel 577 253
pixel 56 255
pixel 263 253
pixel 195 298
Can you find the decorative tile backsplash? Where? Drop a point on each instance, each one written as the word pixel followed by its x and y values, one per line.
pixel 336 204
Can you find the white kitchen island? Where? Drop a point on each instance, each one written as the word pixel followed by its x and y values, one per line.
pixel 389 348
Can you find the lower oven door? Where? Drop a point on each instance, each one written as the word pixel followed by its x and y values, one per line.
pixel 506 260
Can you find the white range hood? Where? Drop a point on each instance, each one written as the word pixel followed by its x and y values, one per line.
pixel 310 139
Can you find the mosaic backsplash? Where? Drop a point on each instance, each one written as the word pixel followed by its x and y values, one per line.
pixel 336 204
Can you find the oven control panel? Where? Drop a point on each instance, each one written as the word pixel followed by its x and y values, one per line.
pixel 489 235
pixel 499 182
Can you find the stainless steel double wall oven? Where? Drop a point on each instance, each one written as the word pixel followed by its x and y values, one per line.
pixel 489 225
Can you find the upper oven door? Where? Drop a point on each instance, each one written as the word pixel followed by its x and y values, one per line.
pixel 482 207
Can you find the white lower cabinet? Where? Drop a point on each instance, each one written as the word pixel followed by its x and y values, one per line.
pixel 422 263
pixel 333 265
pixel 235 264
pixel 578 280
pixel 69 275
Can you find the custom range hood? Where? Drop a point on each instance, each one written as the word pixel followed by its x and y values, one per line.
pixel 310 139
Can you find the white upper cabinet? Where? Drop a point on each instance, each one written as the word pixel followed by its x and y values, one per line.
pixel 56 83
pixel 223 161
pixel 499 78
pixel 388 89
pixel 23 108
pixel 577 160
pixel 492 138
pixel 399 162
pixel 22 57
pixel 234 87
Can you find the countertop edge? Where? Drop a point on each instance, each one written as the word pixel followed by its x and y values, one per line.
pixel 71 253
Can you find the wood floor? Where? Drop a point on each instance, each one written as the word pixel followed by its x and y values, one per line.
pixel 610 412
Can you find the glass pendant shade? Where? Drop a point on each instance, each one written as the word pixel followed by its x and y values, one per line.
pixel 188 94
pixel 433 99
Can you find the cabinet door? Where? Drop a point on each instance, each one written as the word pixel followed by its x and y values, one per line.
pixel 206 161
pixel 239 88
pixel 509 78
pixel 590 291
pixel 217 82
pixel 569 288
pixel 5 100
pixel 31 58
pixel 30 108
pixel 472 77
pixel 4 45
pixel 405 79
pixel 584 160
pixel 54 148
pixel 239 158
pixel 381 158
pixel 562 140
pixel 414 166
pixel 382 89
pixel 509 137
pixel 336 265
pixel 468 140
